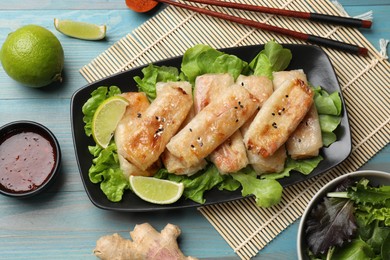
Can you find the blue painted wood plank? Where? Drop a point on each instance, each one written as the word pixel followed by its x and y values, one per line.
pixel 77 52
pixel 64 224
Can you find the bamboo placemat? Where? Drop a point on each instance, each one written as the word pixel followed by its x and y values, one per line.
pixel 365 83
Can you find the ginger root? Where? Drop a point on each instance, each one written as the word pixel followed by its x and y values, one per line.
pixel 147 244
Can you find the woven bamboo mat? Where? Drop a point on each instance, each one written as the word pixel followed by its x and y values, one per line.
pixel 365 83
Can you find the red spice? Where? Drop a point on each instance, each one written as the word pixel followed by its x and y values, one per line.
pixel 141 6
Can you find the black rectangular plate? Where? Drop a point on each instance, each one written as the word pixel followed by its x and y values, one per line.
pixel 311 59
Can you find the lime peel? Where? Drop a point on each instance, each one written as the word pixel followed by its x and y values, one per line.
pixel 155 190
pixel 33 56
pixel 106 119
pixel 80 30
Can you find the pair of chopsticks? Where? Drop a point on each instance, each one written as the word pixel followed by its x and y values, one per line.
pixel 337 20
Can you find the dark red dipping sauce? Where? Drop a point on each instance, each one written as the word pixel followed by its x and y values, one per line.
pixel 27 159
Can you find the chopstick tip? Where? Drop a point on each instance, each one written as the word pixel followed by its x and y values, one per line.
pixel 366 24
pixel 363 51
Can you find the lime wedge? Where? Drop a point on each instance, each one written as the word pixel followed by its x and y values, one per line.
pixel 155 190
pixel 80 30
pixel 106 118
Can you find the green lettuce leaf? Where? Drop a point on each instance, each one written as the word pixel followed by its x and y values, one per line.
pixel 357 249
pixel 229 183
pixel 329 110
pixel 154 74
pixel 273 58
pixel 375 234
pixel 327 104
pixel 203 59
pixel 196 185
pixel 97 97
pixel 267 192
pixel 363 193
pixel 305 166
pixel 105 170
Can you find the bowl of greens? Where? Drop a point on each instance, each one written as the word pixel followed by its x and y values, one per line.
pixel 349 218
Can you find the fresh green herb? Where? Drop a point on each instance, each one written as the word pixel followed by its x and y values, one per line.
pixel 353 223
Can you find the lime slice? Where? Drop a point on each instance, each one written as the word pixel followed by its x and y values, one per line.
pixel 155 190
pixel 106 118
pixel 80 30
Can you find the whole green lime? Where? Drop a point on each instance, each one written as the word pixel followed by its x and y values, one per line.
pixel 33 56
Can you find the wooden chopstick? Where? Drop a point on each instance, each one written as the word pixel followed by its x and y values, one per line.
pixel 294 34
pixel 338 20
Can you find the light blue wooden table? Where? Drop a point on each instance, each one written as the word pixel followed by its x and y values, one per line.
pixel 63 223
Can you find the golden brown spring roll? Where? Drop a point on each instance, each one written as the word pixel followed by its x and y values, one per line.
pixel 138 103
pixel 209 87
pixel 175 165
pixel 271 164
pixel 230 156
pixel 284 77
pixel 213 125
pixel 306 140
pixel 154 128
pixel 278 118
pixel 262 88
pixel 259 86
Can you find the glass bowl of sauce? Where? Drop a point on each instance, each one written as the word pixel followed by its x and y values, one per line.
pixel 30 158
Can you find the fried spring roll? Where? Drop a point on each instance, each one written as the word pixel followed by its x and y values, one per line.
pixel 271 164
pixel 138 103
pixel 213 125
pixel 230 156
pixel 209 87
pixel 306 140
pixel 175 165
pixel 262 88
pixel 153 129
pixel 259 86
pixel 278 118
pixel 284 77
